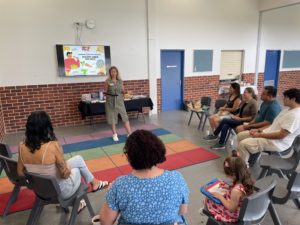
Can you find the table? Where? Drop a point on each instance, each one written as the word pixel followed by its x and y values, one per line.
pixel 98 108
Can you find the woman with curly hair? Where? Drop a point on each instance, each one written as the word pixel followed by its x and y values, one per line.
pixel 149 195
pixel 40 153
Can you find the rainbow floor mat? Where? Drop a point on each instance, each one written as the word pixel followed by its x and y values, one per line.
pixel 106 160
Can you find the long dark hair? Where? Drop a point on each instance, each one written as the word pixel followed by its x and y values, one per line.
pixel 39 130
pixel 236 167
pixel 237 89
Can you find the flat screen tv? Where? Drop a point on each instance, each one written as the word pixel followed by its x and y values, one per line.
pixel 83 60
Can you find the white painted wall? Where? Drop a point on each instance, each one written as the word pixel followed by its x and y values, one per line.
pixel 202 24
pixel 271 4
pixel 31 28
pixel 280 31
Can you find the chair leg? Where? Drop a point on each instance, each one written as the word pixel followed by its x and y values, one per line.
pixel 274 215
pixel 74 212
pixel 211 221
pixel 35 212
pixel 11 199
pixel 200 120
pixel 89 206
pixel 297 202
pixel 1 168
pixel 254 158
pixel 263 173
pixel 205 119
pixel 190 118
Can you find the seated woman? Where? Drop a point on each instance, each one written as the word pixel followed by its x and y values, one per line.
pixel 149 195
pixel 230 108
pixel 247 112
pixel 40 153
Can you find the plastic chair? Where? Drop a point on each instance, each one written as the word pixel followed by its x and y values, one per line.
pixel 283 167
pixel 205 106
pixel 11 169
pixel 286 190
pixel 47 192
pixel 5 151
pixel 254 207
pixel 218 104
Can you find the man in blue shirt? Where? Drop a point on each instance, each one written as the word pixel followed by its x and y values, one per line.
pixel 269 109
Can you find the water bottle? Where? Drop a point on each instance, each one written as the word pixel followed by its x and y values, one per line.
pixel 101 95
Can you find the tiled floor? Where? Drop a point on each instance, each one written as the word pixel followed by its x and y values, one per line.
pixel 195 175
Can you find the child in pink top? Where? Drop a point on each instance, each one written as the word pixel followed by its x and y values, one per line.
pixel 242 185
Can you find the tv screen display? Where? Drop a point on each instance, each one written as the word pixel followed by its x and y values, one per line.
pixel 83 60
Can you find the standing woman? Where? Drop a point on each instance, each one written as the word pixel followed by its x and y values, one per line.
pixel 114 102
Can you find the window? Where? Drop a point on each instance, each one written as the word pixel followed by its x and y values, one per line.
pixel 231 64
pixel 291 59
pixel 203 60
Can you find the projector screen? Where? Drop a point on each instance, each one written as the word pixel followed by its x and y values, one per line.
pixel 83 60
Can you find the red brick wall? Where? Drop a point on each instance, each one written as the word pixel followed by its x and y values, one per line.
pixel 2 125
pixel 197 86
pixel 288 79
pixel 249 78
pixel 59 100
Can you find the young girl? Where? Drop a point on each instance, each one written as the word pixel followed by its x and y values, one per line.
pixel 242 185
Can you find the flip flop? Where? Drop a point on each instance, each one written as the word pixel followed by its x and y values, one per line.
pixel 102 185
pixel 82 205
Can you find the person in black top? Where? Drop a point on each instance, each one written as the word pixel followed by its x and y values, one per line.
pixel 247 113
pixel 231 106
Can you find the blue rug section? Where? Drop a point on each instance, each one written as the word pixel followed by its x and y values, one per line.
pixel 74 147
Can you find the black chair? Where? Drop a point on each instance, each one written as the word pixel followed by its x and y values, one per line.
pixel 218 104
pixel 11 169
pixel 47 192
pixel 205 106
pixel 5 151
pixel 283 167
pixel 254 207
pixel 286 190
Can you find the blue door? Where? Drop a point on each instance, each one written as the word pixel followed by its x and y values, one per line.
pixel 272 68
pixel 171 79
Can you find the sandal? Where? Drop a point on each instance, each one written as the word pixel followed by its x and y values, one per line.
pixel 102 185
pixel 82 205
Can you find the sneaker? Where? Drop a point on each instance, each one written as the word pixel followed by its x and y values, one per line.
pixel 210 137
pixel 200 211
pixel 218 146
pixel 115 137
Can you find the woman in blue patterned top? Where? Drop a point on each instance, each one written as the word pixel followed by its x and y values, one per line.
pixel 149 195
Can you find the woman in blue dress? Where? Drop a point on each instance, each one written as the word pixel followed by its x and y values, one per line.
pixel 148 195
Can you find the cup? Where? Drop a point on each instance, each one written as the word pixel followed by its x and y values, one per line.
pixel 96 220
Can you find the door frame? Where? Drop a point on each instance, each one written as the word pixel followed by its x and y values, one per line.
pixel 181 75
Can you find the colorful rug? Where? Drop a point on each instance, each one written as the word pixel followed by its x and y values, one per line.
pixel 106 160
